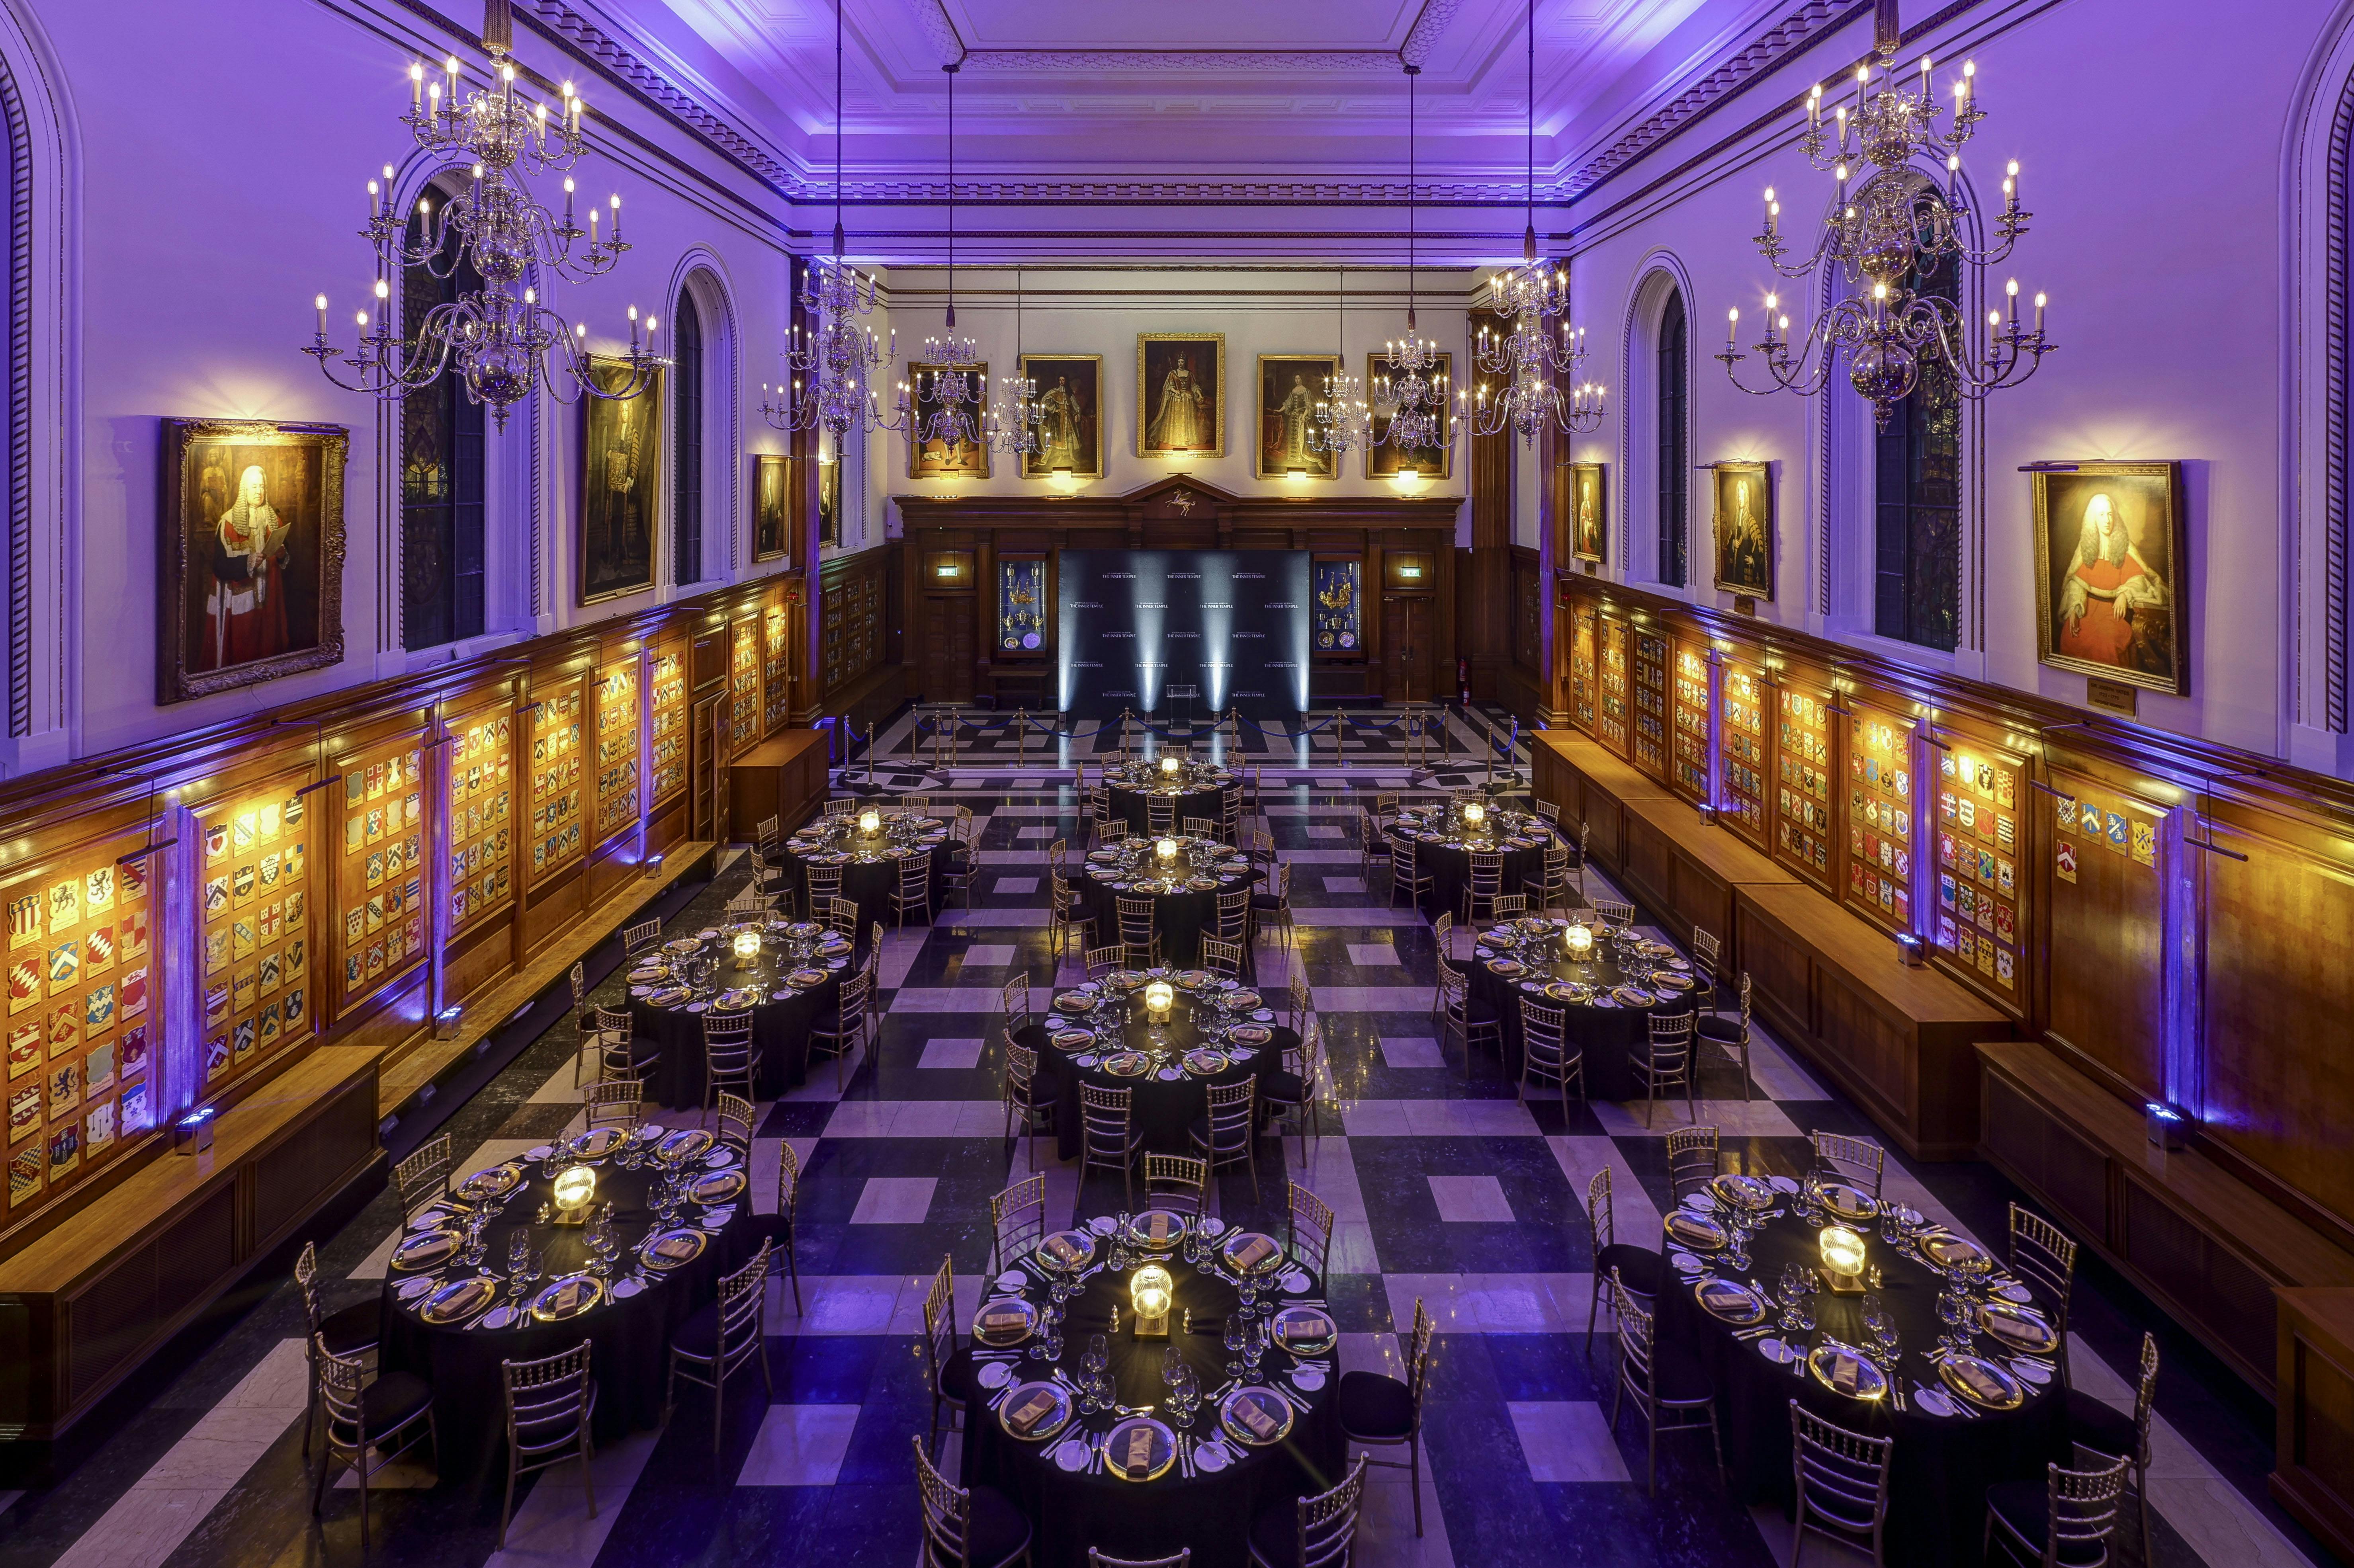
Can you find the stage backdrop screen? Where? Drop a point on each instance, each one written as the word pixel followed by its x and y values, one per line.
pixel 1135 623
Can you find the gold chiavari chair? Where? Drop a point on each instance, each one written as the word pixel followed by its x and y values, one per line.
pixel 1226 1133
pixel 2105 1429
pixel 1323 1528
pixel 1465 1016
pixel 1406 874
pixel 424 1175
pixel 1373 1413
pixel 1373 844
pixel 914 890
pixel 1109 830
pixel 1616 914
pixel 1031 1094
pixel 2043 1255
pixel 1547 1056
pixel 840 915
pixel 1637 1267
pixel 1160 817
pixel 1108 1140
pixel 1224 957
pixel 1483 886
pixel 1139 931
pixel 1291 1091
pixel 1201 827
pixel 1507 906
pixel 967 1527
pixel 548 1405
pixel 1705 961
pixel 1666 1382
pixel 768 835
pixel 2067 1519
pixel 777 1229
pixel 1550 887
pixel 1731 1035
pixel 1691 1160
pixel 1549 812
pixel 842 808
pixel 352 1333
pixel 822 884
pixel 1234 918
pixel 1312 1229
pixel 1303 1002
pixel 369 1423
pixel 731 1057
pixel 1273 907
pixel 1178 1182
pixel 850 1028
pixel 1023 1024
pixel 1667 1062
pixel 1842 1478
pixel 1442 935
pixel 614 1104
pixel 1069 922
pixel 638 940
pixel 1856 1159
pixel 721 1340
pixel 1017 1222
pixel 1101 961
pixel 738 1120
pixel 1184 1558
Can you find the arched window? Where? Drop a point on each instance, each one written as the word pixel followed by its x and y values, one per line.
pixel 1671 426
pixel 1916 593
pixel 686 442
pixel 440 473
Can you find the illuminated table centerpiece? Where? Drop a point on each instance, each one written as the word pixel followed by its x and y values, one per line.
pixel 1842 1251
pixel 870 821
pixel 1579 940
pixel 747 949
pixel 1151 1291
pixel 575 1190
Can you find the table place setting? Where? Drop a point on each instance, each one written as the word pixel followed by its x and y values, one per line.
pixel 867 836
pixel 1166 865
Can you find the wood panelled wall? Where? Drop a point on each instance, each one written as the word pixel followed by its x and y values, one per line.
pixel 2211 964
pixel 952 544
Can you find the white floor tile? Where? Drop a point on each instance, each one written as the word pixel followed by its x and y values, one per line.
pixel 1734 1119
pixel 1345 885
pixel 1412 1053
pixel 1365 953
pixel 552 1528
pixel 559 1089
pixel 894 1201
pixel 799 1446
pixel 989 955
pixel 1635 1218
pixel 1492 1303
pixel 1016 885
pixel 943 1052
pixel 1566 1440
pixel 1470 1199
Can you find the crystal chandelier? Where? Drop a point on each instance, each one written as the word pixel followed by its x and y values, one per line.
pixel 1415 388
pixel 1012 419
pixel 1342 420
pixel 1525 358
pixel 1902 226
pixel 499 339
pixel 824 383
pixel 951 381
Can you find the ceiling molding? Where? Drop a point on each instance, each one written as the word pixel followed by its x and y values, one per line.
pixel 949 48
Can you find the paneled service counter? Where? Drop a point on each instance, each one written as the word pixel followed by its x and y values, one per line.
pixel 1826 982
pixel 783 776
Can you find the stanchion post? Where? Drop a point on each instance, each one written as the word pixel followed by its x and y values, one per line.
pixel 870 753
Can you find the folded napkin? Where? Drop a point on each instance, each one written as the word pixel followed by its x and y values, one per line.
pixel 677 1248
pixel 1251 1252
pixel 1139 1450
pixel 1030 1411
pixel 1066 1250
pixel 1005 1318
pixel 1157 1225
pixel 1247 1411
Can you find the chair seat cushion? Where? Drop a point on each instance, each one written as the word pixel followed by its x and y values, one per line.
pixel 1281 1088
pixel 1197 1131
pixel 1479 1011
pixel 1638 1266
pixel 2101 1428
pixel 957 1377
pixel 1726 1031
pixel 1268 901
pixel 699 1335
pixel 392 1399
pixel 2024 1506
pixel 998 1534
pixel 1374 1405
pixel 1033 1037
pixel 355 1330
pixel 777 1230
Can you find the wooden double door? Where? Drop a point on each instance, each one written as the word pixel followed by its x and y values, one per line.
pixel 1408 658
pixel 948 649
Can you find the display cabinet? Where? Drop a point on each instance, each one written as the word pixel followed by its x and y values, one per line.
pixel 776 683
pixel 668 706
pixel 743 683
pixel 379 875
pixel 1802 783
pixel 1649 691
pixel 1689 709
pixel 556 835
pixel 1742 696
pixel 618 794
pixel 1980 930
pixel 1615 704
pixel 257 991
pixel 1880 801
pixel 480 795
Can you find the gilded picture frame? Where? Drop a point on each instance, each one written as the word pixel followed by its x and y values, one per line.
pixel 829 501
pixel 936 460
pixel 251 578
pixel 1290 388
pixel 1741 532
pixel 1589 512
pixel 1383 461
pixel 1193 404
pixel 1068 395
pixel 2110 539
pixel 772 507
pixel 622 471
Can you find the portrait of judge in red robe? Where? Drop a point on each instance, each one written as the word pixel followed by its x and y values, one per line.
pixel 245 600
pixel 2109 598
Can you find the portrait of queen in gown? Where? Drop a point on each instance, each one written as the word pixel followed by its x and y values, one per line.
pixel 1178 383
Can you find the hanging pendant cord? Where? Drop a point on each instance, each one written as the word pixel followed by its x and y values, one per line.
pixel 1529 241
pixel 952 75
pixel 1412 71
pixel 837 130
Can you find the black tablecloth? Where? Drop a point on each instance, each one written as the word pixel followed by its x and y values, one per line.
pixel 1180 918
pixel 1208 801
pixel 870 882
pixel 1612 1040
pixel 629 1339
pixel 1940 1466
pixel 781 1030
pixel 1161 1111
pixel 1447 864
pixel 1210 1513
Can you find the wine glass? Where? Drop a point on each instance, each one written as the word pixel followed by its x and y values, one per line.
pixel 1253 1348
pixel 1188 1395
pixel 518 1250
pixel 1234 1332
pixel 1173 1366
pixel 1954 1312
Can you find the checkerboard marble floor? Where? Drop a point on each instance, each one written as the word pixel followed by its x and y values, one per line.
pixel 1446 1187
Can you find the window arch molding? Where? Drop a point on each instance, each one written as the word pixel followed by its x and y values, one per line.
pixel 1658 276
pixel 700 274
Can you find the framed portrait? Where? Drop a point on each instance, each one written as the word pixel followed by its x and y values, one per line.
pixel 252 578
pixel 2110 540
pixel 1180 393
pixel 938 458
pixel 620 484
pixel 1068 395
pixel 829 500
pixel 773 511
pixel 1290 386
pixel 1744 528
pixel 1589 537
pixel 1383 461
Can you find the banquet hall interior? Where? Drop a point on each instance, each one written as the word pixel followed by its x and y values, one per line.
pixel 1363 782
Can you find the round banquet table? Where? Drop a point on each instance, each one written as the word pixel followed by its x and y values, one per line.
pixel 781 1021
pixel 1209 1511
pixel 1180 915
pixel 1443 853
pixel 1613 1037
pixel 1161 1109
pixel 629 1340
pixel 869 875
pixel 1201 793
pixel 1940 1466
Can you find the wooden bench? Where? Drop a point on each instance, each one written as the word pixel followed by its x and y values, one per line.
pixel 83 1307
pixel 2202 1243
pixel 1900 1041
pixel 2313 1476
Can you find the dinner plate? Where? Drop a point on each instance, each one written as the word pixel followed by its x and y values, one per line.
pixel 1632 996
pixel 684 1145
pixel 1695 1230
pixel 1507 968
pixel 1202 884
pixel 1004 1321
pixel 2019 1328
pixel 1845 1370
pixel 1034 1412
pixel 1730 1301
pixel 807 978
pixel 500 1317
pixel 1256 1416
pixel 1239 1001
pixel 1739 1192
pixel 1304 1330
pixel 1071 1039
pixel 598 1142
pixel 671 1248
pixel 426 1249
pixel 1205 1063
pixel 1067 1250
pixel 1947 1250
pixel 1253 1033
pixel 1249 1252
pixel 1124 1065
pixel 1989 1384
pixel 683 944
pixel 650 973
pixel 1140 1450
pixel 459 1299
pixel 668 996
pixel 1668 979
pixel 566 1297
pixel 1849 1203
pixel 716 1187
pixel 1071 1001
pixel 993 1374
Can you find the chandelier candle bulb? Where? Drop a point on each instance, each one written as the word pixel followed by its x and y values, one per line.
pixel 416 86
pixel 322 302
